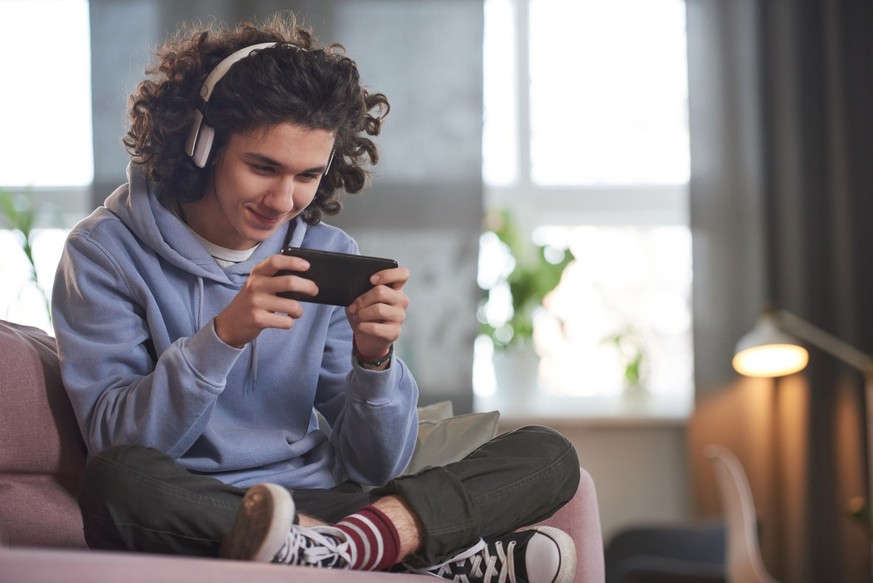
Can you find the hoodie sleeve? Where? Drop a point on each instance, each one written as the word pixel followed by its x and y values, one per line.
pixel 372 414
pixel 108 338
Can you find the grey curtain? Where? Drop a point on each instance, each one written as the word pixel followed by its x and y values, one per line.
pixel 781 102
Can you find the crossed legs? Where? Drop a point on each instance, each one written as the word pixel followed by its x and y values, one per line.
pixel 134 498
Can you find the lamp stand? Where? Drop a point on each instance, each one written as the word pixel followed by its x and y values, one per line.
pixel 857 359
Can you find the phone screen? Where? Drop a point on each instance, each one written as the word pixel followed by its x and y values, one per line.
pixel 340 277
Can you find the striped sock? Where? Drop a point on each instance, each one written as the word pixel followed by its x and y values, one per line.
pixel 373 539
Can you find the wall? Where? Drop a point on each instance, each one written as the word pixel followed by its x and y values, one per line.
pixel 640 467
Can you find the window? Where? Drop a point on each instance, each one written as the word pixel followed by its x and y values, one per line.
pixel 586 145
pixel 46 113
pixel 46 143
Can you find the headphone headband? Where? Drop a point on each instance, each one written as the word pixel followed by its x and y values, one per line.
pixel 199 142
pixel 224 66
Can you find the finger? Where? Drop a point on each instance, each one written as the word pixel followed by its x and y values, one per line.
pixel 283 284
pixel 381 294
pixel 266 301
pixel 380 313
pixel 287 306
pixel 395 277
pixel 243 319
pixel 280 320
pixel 381 332
pixel 276 263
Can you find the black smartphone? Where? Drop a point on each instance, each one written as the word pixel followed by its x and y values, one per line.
pixel 340 277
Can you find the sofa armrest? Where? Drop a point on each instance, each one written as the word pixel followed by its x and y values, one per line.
pixel 580 518
pixel 43 456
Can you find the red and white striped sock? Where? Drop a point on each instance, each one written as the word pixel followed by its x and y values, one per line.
pixel 373 539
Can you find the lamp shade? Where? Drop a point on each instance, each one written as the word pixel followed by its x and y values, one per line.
pixel 768 351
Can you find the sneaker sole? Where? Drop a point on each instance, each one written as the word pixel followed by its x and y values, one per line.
pixel 566 550
pixel 261 525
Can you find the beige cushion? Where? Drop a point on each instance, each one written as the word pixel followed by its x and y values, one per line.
pixel 446 440
pixel 436 411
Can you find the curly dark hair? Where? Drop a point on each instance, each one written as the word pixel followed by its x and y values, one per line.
pixel 318 88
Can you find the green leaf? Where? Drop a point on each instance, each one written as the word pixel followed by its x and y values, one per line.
pixel 19 214
pixel 532 278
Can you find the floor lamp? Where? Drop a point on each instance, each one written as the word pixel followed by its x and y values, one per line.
pixel 772 349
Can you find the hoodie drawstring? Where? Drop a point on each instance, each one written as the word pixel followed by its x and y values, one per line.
pixel 201 300
pixel 253 365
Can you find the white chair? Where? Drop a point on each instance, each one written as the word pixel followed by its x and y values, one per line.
pixel 743 557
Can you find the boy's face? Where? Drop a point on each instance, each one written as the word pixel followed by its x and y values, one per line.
pixel 258 183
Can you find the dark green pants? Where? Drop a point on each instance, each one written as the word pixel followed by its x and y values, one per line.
pixel 136 498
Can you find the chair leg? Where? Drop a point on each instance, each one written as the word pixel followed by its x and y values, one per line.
pixel 744 562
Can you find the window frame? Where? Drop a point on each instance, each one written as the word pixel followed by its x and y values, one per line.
pixel 618 204
pixel 534 205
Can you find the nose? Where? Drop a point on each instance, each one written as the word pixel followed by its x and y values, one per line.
pixel 281 198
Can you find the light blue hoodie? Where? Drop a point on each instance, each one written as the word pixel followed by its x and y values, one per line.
pixel 133 303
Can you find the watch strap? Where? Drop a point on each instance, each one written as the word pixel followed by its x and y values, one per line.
pixel 364 361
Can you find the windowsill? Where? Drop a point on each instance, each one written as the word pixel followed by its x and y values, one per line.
pixel 633 410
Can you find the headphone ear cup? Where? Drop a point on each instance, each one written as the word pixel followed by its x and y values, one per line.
pixel 203 145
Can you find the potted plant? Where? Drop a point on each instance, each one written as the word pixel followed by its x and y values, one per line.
pixel 523 277
pixel 530 274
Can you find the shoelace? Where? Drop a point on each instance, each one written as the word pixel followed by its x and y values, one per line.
pixel 314 547
pixel 477 564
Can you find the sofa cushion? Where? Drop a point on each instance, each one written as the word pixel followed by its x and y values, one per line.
pixel 448 440
pixel 43 454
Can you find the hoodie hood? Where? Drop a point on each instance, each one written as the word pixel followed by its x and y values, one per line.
pixel 142 207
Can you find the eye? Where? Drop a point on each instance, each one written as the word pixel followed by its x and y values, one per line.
pixel 308 177
pixel 262 169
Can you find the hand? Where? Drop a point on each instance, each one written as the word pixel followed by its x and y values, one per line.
pixel 257 306
pixel 377 315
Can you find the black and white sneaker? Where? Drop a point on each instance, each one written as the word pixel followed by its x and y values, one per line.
pixel 318 546
pixel 542 554
pixel 264 531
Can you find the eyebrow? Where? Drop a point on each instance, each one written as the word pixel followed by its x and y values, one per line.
pixel 254 156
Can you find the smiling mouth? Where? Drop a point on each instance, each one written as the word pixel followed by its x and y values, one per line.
pixel 269 220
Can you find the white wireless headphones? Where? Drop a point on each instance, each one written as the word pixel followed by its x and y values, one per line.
pixel 200 138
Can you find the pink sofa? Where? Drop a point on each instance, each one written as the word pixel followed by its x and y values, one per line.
pixel 41 461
